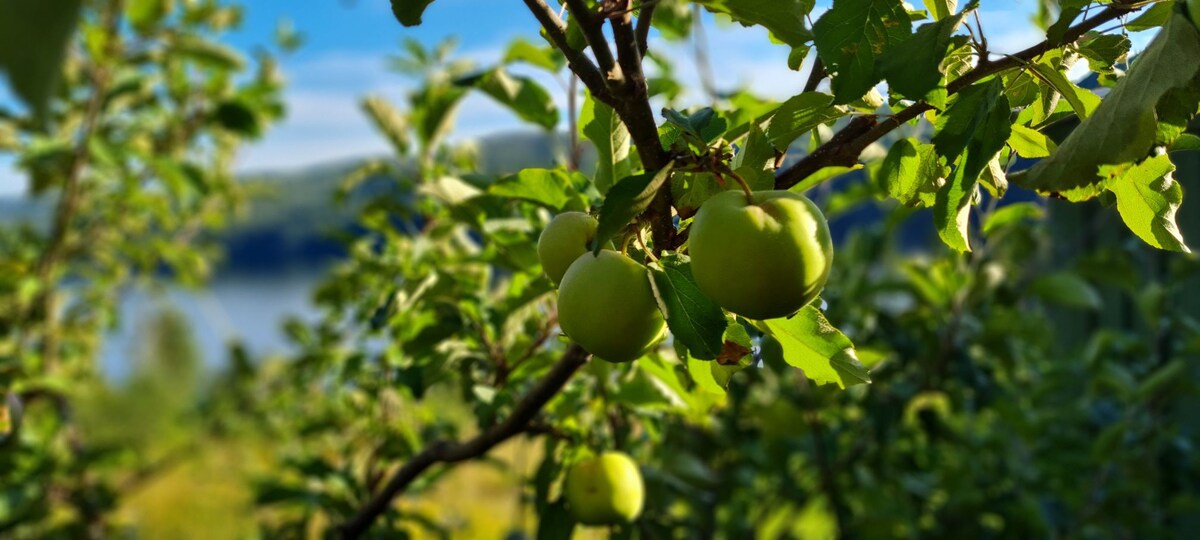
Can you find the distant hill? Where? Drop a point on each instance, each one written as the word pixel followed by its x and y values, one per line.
pixel 297 223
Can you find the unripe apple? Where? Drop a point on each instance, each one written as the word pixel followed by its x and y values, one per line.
pixel 564 239
pixel 761 257
pixel 605 490
pixel 605 304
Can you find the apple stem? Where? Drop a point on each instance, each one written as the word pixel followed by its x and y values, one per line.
pixel 645 249
pixel 625 240
pixel 742 182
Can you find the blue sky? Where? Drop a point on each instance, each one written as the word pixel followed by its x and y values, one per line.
pixel 347 41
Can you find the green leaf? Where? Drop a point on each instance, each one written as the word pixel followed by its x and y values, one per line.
pixel 551 188
pixel 940 9
pixel 600 124
pixel 801 114
pixel 409 12
pixel 1186 142
pixel 626 200
pixel 521 50
pixel 783 18
pixel 1155 17
pixel 389 121
pixel 555 521
pixel 1010 214
pixel 1067 289
pixel 433 110
pixel 34 35
pixel 812 344
pixel 701 127
pixel 1103 51
pixel 522 95
pixel 144 15
pixel 972 130
pixel 913 67
pixel 206 53
pixel 1030 143
pixel 702 374
pixel 852 35
pixel 239 117
pixel 693 318
pixel 1148 198
pixel 1083 102
pixel 994 178
pixel 909 168
pixel 1124 126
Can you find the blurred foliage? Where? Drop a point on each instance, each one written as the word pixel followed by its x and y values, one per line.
pixel 134 147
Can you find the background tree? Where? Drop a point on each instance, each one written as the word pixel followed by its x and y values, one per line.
pixel 132 136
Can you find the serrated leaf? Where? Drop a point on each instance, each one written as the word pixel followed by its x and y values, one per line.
pixel 626 200
pixel 810 343
pixel 1155 17
pixel 908 167
pixel 913 67
pixel 693 318
pixel 1083 102
pixel 34 35
pixel 521 95
pixel 940 9
pixel 600 124
pixel 801 114
pixel 1148 198
pixel 1030 143
pixel 994 179
pixel 783 18
pixel 702 126
pixel 970 132
pixel 409 12
pixel 1103 51
pixel 1124 126
pixel 551 188
pixel 852 36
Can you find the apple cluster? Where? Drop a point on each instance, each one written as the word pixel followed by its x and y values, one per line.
pixel 761 255
pixel 605 303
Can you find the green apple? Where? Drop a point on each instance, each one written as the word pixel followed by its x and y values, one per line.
pixel 1193 7
pixel 762 257
pixel 605 490
pixel 564 239
pixel 606 305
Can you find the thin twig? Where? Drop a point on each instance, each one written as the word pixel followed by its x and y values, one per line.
pixel 645 17
pixel 593 32
pixel 700 49
pixel 844 148
pixel 450 452
pixel 815 75
pixel 579 63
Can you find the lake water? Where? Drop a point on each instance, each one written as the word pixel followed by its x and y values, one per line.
pixel 249 307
